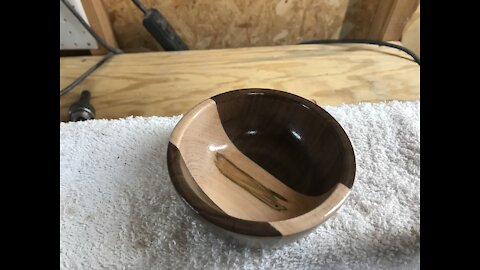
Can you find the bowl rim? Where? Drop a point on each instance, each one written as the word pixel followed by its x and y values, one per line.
pixel 206 208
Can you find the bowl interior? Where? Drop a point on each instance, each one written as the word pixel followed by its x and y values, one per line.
pixel 263 155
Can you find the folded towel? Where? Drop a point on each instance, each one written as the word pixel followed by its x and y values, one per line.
pixel 119 210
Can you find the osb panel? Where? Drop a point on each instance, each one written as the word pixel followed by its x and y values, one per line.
pixel 358 18
pixel 206 24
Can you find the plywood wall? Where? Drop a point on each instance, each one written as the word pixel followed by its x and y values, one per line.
pixel 206 24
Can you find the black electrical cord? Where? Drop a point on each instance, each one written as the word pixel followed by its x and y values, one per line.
pixel 112 51
pixel 140 6
pixel 85 74
pixel 365 41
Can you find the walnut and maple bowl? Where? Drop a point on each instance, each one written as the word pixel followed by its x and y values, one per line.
pixel 261 162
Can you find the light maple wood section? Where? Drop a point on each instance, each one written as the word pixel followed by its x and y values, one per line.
pixel 390 19
pixel 316 216
pixel 170 83
pixel 100 23
pixel 225 189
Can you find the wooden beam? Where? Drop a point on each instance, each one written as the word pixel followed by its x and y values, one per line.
pixel 171 83
pixel 100 23
pixel 390 19
pixel 411 33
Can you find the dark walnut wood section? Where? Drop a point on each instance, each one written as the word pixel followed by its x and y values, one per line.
pixel 261 162
pixel 288 136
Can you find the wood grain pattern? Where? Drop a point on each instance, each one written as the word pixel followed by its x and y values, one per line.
pixel 207 24
pixel 248 183
pixel 411 32
pixel 199 155
pixel 334 201
pixel 214 168
pixel 390 19
pixel 170 83
pixel 100 23
pixel 201 204
pixel 290 137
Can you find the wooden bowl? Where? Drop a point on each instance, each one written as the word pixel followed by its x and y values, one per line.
pixel 261 162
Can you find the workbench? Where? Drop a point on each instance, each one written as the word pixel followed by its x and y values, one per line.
pixel 170 83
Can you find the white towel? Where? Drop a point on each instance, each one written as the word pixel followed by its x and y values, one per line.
pixel 119 210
